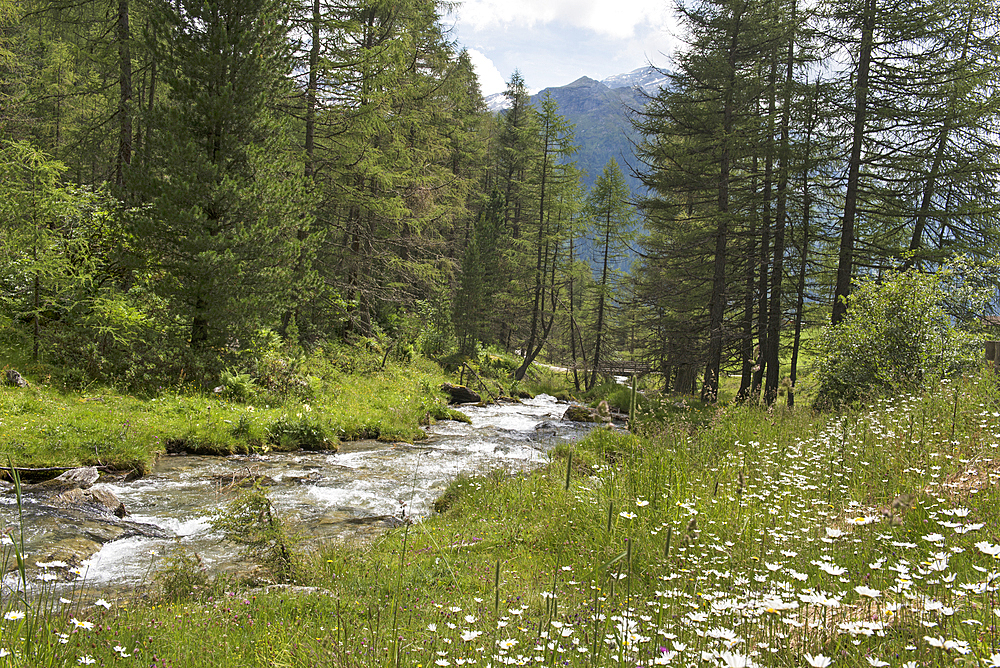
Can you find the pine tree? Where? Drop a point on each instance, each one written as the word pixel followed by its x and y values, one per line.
pixel 698 148
pixel 224 196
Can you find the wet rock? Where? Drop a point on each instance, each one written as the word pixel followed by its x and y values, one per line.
pixel 14 379
pixel 71 551
pixel 99 501
pixel 78 478
pixel 460 394
pixel 545 430
pixel 307 479
pixel 245 480
pixel 578 413
pixel 390 521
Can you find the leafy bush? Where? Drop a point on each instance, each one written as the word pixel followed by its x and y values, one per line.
pixel 182 576
pixel 304 430
pixel 899 334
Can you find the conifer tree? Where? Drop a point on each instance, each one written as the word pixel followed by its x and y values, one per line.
pixel 611 214
pixel 224 196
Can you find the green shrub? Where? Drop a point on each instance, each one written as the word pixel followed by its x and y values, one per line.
pixel 899 334
pixel 304 430
pixel 182 576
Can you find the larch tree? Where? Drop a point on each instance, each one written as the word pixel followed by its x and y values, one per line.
pixel 612 215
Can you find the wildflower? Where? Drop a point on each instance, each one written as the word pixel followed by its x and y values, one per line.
pixel 4 652
pixel 988 548
pixel 13 615
pixel 867 591
pixel 833 533
pixel 104 604
pixel 667 657
pixel 86 660
pixel 432 627
pixel 442 662
pixel 628 515
pixel 641 502
pixel 507 643
pixel 732 660
pixel 994 661
pixel 818 661
pixel 469 619
pixel 830 568
pixel 934 642
pixel 469 636
pixel 876 663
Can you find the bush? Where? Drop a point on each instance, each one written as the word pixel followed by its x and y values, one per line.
pixel 304 431
pixel 899 334
pixel 250 521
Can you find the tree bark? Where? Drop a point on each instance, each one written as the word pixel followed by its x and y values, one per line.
pixel 845 261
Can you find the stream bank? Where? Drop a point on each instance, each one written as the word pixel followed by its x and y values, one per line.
pixel 360 490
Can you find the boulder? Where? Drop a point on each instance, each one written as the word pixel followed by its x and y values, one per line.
pixel 14 379
pixel 460 394
pixel 78 478
pixel 577 413
pixel 99 500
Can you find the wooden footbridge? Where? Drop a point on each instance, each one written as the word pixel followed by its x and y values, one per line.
pixel 627 368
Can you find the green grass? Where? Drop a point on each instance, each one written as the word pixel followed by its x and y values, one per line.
pixel 46 426
pixel 743 535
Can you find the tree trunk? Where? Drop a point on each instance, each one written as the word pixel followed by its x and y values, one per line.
pixel 845 261
pixel 717 302
pixel 600 302
pixel 777 265
pixel 124 96
pixel 800 296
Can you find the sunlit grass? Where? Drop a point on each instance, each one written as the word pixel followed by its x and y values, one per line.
pixel 781 538
pixel 42 426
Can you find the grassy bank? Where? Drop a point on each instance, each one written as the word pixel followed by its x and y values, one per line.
pixel 313 406
pixel 763 538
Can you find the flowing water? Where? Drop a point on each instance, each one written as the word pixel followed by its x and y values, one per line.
pixel 364 488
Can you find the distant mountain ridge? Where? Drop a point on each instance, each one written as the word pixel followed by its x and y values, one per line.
pixel 600 112
pixel 647 79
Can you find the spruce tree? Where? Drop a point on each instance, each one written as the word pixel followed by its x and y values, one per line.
pixel 224 197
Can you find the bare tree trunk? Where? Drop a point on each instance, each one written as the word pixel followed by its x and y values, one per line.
pixel 124 95
pixel 845 261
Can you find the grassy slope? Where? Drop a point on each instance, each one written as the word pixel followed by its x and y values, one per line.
pixel 44 426
pixel 765 535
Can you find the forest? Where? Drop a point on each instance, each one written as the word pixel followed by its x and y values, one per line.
pixel 184 181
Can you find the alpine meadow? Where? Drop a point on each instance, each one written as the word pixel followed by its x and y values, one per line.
pixel 311 355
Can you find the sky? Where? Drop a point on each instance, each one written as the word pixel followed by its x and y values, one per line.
pixel 555 42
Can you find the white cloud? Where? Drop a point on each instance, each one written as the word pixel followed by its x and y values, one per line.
pixel 614 18
pixel 490 79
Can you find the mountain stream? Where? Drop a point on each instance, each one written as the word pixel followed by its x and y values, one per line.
pixel 361 490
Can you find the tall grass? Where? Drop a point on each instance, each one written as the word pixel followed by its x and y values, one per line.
pixel 781 538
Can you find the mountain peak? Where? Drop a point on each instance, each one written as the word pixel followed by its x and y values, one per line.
pixel 583 82
pixel 648 79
